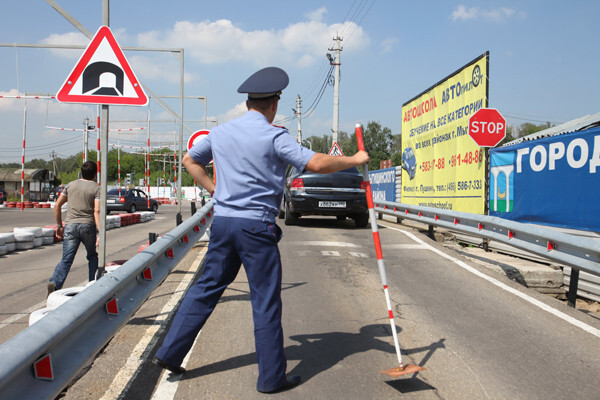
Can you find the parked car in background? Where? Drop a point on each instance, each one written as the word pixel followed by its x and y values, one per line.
pixel 55 193
pixel 341 194
pixel 130 200
pixel 2 195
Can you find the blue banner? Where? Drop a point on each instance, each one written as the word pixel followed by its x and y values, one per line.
pixel 551 181
pixel 383 184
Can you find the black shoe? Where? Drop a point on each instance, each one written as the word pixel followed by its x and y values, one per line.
pixel 292 382
pixel 51 288
pixel 173 368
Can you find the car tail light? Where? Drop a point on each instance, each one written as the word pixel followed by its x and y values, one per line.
pixel 297 184
pixel 363 185
pixel 122 199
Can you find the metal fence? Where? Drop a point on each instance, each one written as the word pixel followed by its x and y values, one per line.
pixel 579 253
pixel 44 358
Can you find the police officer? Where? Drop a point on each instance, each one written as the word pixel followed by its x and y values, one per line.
pixel 251 157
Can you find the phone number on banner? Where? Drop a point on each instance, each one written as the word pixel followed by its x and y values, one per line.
pixel 466 158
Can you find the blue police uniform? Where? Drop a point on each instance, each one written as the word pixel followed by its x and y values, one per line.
pixel 250 158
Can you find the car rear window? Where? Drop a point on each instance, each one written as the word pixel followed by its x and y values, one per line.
pixel 115 192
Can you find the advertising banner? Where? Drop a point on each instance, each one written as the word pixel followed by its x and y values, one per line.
pixel 442 166
pixel 551 181
pixel 383 184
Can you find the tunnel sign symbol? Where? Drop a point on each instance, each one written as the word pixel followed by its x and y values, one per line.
pixel 103 76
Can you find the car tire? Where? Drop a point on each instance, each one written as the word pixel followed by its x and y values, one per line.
pixel 155 208
pixel 290 218
pixel 132 208
pixel 361 221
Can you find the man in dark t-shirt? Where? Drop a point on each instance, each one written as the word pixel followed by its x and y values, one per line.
pixel 83 217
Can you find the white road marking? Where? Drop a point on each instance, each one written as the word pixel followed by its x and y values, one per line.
pixel 334 244
pixel 131 368
pixel 529 299
pixel 359 255
pixel 330 253
pixel 404 246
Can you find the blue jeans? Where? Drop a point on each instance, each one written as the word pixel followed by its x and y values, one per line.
pixel 75 234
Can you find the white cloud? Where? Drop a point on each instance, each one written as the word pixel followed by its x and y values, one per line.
pixel 237 111
pixel 219 42
pixel 461 13
pixel 317 15
pixel 388 44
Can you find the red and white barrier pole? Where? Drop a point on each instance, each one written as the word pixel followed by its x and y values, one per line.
pixel 23 159
pixel 98 146
pixel 119 168
pixel 402 369
pixel 148 162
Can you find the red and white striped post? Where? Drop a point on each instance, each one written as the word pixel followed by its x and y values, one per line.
pixel 23 158
pixel 378 252
pixel 98 146
pixel 119 167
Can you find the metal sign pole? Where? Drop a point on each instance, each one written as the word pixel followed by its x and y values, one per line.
pixel 103 167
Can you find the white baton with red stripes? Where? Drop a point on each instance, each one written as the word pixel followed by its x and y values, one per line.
pixel 380 264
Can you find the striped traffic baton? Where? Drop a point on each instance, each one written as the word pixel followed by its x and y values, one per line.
pixel 402 369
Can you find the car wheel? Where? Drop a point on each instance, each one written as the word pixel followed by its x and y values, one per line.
pixel 132 208
pixel 155 208
pixel 361 221
pixel 290 219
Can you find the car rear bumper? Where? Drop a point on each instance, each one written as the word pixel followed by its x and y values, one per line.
pixel 310 204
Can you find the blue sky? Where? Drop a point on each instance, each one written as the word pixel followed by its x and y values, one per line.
pixel 543 61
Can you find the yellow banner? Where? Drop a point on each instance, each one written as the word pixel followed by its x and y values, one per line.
pixel 442 166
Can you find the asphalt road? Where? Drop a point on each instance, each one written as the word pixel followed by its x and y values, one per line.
pixel 24 274
pixel 480 335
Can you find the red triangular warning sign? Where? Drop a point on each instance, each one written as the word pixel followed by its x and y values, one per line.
pixel 336 150
pixel 103 76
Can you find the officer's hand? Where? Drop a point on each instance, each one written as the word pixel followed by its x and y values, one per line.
pixel 361 158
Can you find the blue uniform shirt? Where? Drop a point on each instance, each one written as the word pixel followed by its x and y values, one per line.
pixel 250 158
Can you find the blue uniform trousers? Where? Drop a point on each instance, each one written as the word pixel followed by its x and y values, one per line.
pixel 234 241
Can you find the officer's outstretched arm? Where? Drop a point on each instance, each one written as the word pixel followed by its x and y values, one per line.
pixel 325 164
pixel 199 173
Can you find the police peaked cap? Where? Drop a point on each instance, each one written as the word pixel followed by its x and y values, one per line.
pixel 265 83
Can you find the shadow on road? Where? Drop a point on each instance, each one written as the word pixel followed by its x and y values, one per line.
pixel 321 351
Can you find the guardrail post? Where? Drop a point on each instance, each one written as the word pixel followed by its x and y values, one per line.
pixel 193 205
pixel 178 219
pixel 152 237
pixel 573 284
pixel 430 231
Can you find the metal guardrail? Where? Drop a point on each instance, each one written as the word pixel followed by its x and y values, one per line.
pixel 44 358
pixel 579 253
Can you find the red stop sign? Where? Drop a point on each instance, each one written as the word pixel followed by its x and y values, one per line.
pixel 487 127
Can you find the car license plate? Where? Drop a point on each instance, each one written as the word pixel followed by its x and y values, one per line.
pixel 332 204
pixel 110 200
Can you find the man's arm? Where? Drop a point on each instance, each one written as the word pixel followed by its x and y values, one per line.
pixel 199 173
pixel 97 213
pixel 62 199
pixel 325 164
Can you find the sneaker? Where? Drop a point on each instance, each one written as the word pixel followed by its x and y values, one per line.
pixel 51 288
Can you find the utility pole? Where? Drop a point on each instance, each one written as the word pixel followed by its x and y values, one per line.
pixel 336 85
pixel 299 114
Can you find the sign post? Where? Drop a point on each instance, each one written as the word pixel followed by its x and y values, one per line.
pixel 487 127
pixel 103 76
